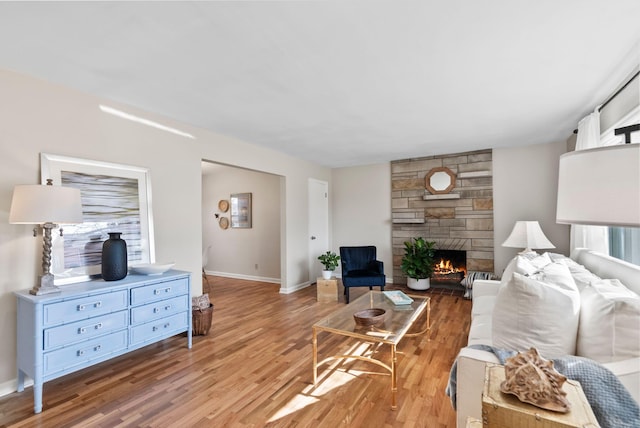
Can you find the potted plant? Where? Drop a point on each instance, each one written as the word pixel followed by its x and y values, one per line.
pixel 417 263
pixel 330 262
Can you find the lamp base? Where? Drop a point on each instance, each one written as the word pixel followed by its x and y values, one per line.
pixel 45 287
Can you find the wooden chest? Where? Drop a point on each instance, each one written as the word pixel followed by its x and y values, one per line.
pixel 501 410
pixel 327 290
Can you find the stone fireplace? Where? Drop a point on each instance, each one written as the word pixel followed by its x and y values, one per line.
pixel 461 219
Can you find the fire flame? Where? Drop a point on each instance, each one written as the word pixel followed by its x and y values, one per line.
pixel 446 267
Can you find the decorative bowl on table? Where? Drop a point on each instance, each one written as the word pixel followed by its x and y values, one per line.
pixel 151 268
pixel 369 317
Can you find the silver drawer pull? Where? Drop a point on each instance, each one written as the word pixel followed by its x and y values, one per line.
pixel 166 308
pixel 95 305
pixel 83 330
pixel 157 327
pixel 162 290
pixel 96 348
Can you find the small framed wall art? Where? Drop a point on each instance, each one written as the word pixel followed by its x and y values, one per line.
pixel 241 210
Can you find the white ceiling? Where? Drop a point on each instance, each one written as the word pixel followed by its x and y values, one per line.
pixel 340 83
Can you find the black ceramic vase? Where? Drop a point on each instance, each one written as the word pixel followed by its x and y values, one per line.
pixel 114 258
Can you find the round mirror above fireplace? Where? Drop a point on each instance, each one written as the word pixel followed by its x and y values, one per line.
pixel 440 180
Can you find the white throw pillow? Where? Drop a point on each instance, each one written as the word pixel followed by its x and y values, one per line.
pixel 609 322
pixel 541 311
pixel 524 263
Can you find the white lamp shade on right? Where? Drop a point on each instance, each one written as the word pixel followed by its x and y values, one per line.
pixel 600 186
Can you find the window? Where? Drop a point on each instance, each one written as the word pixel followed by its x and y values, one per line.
pixel 624 243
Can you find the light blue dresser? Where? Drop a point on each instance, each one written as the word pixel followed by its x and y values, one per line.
pixel 93 321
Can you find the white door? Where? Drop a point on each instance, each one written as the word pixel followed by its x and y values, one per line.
pixel 318 225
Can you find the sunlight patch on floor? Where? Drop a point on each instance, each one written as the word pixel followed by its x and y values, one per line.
pixel 329 379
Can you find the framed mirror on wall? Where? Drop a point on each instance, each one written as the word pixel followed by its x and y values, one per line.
pixel 440 180
pixel 241 210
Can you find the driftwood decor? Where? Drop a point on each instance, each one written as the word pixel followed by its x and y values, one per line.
pixel 533 380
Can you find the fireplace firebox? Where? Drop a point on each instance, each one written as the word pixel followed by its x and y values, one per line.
pixel 450 267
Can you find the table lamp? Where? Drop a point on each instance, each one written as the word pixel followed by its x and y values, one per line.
pixel 527 235
pixel 600 186
pixel 46 205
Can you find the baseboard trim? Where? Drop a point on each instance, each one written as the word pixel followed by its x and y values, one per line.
pixel 241 276
pixel 294 288
pixel 11 386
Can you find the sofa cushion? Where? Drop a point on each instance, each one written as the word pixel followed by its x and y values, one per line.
pixel 609 322
pixel 540 311
pixel 580 274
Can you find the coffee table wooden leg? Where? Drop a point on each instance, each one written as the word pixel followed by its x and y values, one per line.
pixel 315 356
pixel 394 385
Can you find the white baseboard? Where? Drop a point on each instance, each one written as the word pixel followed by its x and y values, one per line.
pixel 11 386
pixel 294 288
pixel 241 276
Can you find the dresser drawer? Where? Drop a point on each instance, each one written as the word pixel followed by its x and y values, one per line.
pixel 159 291
pixel 146 332
pixel 161 309
pixel 84 307
pixel 84 329
pixel 79 354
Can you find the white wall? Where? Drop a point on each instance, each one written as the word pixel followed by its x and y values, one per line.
pixel 525 183
pixel 361 210
pixel 41 117
pixel 252 253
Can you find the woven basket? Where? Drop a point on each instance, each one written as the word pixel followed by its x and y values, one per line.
pixel 202 320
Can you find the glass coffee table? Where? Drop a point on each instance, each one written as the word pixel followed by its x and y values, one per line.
pixel 398 321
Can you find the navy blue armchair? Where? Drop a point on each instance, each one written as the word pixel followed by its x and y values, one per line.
pixel 361 269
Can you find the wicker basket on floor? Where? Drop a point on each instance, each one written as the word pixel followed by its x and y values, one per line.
pixel 202 320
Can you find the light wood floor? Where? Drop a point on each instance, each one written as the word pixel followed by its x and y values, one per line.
pixel 254 369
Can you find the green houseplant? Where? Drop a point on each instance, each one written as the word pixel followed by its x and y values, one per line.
pixel 330 262
pixel 417 262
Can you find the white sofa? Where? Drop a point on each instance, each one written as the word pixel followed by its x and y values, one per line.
pixel 471 362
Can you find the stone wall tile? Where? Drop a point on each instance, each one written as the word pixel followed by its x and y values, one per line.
pixel 480 224
pixel 484 182
pixel 399 203
pixel 424 164
pixel 481 265
pixel 480 157
pixel 482 243
pixel 440 213
pixel 407 184
pixel 483 204
pixel 475 166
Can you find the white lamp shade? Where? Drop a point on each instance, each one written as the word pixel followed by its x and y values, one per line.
pixel 38 204
pixel 600 186
pixel 528 235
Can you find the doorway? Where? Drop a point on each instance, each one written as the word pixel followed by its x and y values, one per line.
pixel 318 225
pixel 251 253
